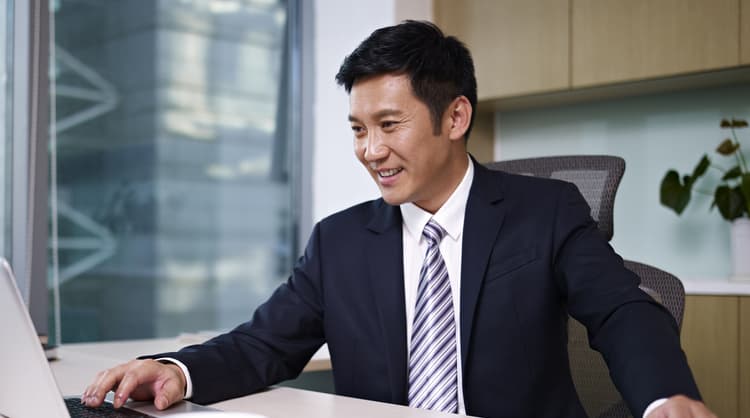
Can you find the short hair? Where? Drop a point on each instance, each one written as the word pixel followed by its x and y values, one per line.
pixel 439 67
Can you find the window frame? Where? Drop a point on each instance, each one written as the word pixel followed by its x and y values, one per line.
pixel 30 107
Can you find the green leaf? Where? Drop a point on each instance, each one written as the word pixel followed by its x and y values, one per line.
pixel 739 123
pixel 733 173
pixel 701 168
pixel 745 188
pixel 725 123
pixel 674 194
pixel 727 147
pixel 729 201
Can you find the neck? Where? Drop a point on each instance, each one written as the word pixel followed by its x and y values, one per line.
pixel 454 173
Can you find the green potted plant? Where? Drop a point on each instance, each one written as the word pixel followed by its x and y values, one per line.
pixel 731 194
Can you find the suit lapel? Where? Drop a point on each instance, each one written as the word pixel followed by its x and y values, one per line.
pixel 385 265
pixel 482 222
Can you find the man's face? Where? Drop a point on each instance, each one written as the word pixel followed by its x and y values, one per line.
pixel 394 140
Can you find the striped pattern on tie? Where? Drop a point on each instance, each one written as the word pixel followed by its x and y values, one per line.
pixel 433 372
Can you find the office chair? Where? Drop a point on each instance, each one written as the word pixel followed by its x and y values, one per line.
pixel 598 394
pixel 597 177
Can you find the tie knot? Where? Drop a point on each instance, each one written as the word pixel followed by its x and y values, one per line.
pixel 433 232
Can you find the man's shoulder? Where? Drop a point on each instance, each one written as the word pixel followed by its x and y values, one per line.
pixel 358 215
pixel 514 183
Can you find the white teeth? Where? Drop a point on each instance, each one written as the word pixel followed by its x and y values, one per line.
pixel 389 173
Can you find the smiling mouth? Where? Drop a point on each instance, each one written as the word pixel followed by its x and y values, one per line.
pixel 389 173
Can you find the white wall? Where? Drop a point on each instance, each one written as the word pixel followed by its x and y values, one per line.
pixel 339 181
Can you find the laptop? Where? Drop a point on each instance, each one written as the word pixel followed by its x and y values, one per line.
pixel 27 386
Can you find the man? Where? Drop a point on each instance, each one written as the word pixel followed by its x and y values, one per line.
pixel 452 291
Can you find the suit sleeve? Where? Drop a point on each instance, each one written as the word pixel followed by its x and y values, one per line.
pixel 275 345
pixel 638 338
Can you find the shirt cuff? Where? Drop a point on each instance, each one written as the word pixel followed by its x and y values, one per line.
pixel 653 405
pixel 188 381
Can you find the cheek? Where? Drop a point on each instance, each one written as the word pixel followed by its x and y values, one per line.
pixel 358 149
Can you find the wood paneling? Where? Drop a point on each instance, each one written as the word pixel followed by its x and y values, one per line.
pixel 622 40
pixel 745 33
pixel 710 338
pixel 482 138
pixel 519 47
pixel 744 388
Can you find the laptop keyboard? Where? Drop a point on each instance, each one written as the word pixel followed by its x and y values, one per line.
pixel 78 410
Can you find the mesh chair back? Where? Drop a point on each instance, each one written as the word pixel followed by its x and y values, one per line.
pixel 669 288
pixel 598 394
pixel 597 177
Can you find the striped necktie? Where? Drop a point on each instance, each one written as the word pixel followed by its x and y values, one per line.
pixel 433 371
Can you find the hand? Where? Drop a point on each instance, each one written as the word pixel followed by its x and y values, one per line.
pixel 141 380
pixel 681 407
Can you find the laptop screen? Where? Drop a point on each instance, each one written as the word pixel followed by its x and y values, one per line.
pixel 27 387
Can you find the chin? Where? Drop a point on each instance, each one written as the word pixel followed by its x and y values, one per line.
pixel 392 200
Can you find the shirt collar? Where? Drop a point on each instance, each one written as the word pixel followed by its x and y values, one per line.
pixel 450 216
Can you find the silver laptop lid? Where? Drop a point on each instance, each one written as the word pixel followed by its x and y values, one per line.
pixel 27 387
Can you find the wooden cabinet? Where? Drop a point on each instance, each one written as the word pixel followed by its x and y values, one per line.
pixel 744 389
pixel 716 340
pixel 745 34
pixel 711 342
pixel 519 47
pixel 482 138
pixel 524 48
pixel 623 40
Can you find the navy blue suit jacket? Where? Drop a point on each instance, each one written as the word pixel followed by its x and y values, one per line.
pixel 531 255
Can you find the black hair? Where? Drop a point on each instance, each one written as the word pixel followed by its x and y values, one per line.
pixel 439 67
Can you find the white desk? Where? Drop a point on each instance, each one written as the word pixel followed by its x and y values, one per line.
pixel 79 363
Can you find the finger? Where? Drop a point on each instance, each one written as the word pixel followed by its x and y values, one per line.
pixel 90 398
pixel 166 395
pixel 172 387
pixel 91 387
pixel 150 379
pixel 137 376
pixel 128 383
pixel 105 382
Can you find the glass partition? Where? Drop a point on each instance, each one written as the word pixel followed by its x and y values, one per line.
pixel 171 164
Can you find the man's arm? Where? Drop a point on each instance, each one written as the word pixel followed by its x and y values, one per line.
pixel 638 337
pixel 275 345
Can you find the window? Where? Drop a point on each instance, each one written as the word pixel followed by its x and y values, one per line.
pixel 172 164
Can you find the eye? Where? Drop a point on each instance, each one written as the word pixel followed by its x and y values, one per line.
pixel 358 130
pixel 387 124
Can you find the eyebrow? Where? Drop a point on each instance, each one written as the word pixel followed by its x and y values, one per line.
pixel 379 114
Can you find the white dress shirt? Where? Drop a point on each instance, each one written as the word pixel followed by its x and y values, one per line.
pixel 450 216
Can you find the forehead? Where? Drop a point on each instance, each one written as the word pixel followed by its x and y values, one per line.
pixel 386 91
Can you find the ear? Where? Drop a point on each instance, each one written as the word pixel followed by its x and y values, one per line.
pixel 458 117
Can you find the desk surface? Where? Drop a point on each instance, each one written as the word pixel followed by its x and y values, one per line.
pixel 126 350
pixel 78 363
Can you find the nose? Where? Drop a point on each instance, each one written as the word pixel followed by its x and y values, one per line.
pixel 375 148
